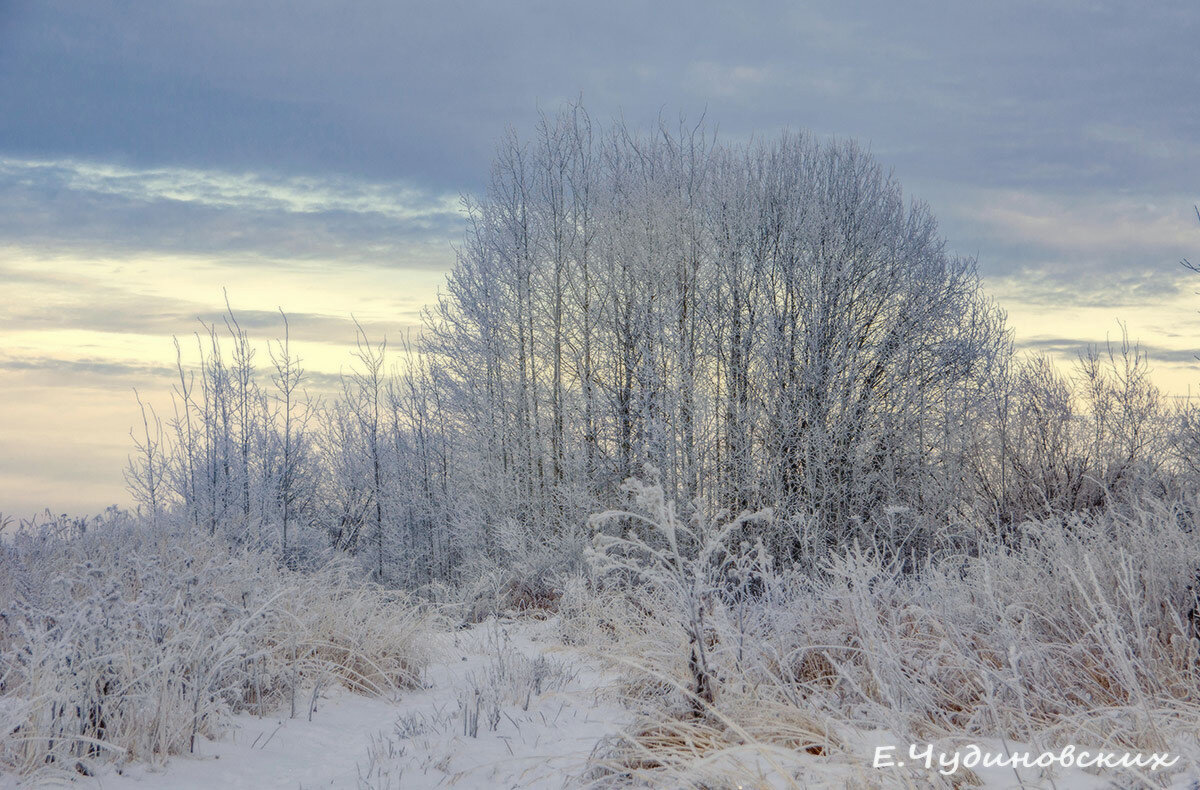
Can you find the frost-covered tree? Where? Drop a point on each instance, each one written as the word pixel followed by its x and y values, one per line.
pixel 771 324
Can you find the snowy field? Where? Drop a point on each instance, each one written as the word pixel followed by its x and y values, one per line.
pixel 545 729
pixel 711 467
pixel 504 705
pixel 141 658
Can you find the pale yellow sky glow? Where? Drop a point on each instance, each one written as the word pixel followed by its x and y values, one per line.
pixel 1173 326
pixel 64 431
pixel 66 399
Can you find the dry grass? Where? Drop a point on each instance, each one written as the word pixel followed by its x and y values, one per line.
pixel 1080 636
pixel 122 644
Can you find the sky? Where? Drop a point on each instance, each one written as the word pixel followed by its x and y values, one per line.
pixel 155 157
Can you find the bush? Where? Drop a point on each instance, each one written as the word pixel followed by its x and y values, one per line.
pixel 124 643
pixel 1082 632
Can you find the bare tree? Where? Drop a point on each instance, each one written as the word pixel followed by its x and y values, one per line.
pixel 146 470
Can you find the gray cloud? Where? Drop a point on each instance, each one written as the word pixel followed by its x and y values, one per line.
pixel 1051 101
pixel 1075 248
pixel 1072 347
pixel 72 206
pixel 152 380
pixel 75 367
pixel 1003 94
pixel 1095 282
pixel 90 305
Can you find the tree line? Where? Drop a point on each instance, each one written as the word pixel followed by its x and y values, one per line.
pixel 769 324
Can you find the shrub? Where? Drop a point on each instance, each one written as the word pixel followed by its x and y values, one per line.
pixel 1079 632
pixel 125 643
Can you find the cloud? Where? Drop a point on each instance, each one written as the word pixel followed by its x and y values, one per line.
pixel 1061 248
pixel 152 379
pixel 1072 347
pixel 1098 282
pixel 71 368
pixel 242 191
pixel 1140 141
pixel 71 296
pixel 308 154
pixel 717 79
pixel 79 206
pixel 387 92
pixel 1092 225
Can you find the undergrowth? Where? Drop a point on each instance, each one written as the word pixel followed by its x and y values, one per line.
pixel 123 643
pixel 1079 631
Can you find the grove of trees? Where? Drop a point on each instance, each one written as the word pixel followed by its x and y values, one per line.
pixel 770 324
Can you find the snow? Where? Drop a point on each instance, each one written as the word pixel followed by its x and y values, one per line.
pixel 542 711
pixel 417 741
pixel 274 751
pixel 544 746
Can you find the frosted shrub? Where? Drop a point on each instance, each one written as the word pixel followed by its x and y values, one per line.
pixel 122 643
pixel 1078 631
pixel 680 564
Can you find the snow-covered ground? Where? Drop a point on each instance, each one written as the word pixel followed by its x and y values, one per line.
pixel 504 707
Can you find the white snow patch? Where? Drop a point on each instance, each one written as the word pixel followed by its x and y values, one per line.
pixel 419 741
pixel 543 743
